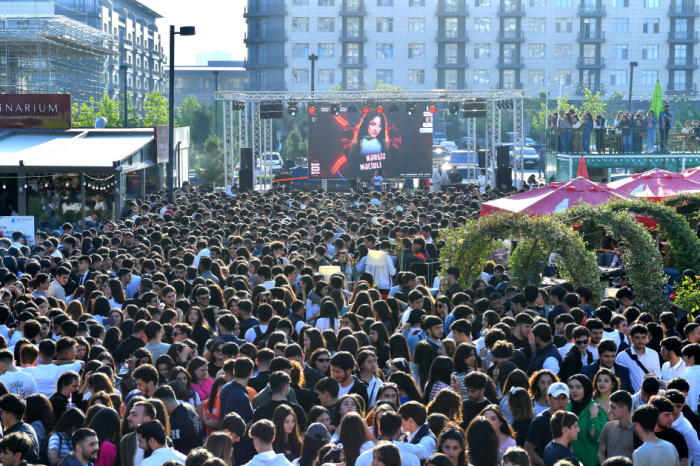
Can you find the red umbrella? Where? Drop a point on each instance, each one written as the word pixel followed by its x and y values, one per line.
pixel 582 168
pixel 555 198
pixel 656 184
pixel 693 174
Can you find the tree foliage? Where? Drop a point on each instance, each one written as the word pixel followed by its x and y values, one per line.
pixel 156 107
pixel 211 161
pixel 109 109
pixel 296 147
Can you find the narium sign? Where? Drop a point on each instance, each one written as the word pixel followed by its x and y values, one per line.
pixel 35 111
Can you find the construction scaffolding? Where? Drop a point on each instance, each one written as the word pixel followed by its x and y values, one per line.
pixel 51 54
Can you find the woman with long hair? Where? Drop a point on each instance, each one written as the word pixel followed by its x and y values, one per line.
pixel 211 416
pixel 313 299
pixel 60 443
pixel 371 139
pixel 108 429
pixel 353 431
pixel 605 383
pixel 67 387
pixel 505 433
pixel 311 341
pixel 386 454
pixel 286 440
pixel 321 361
pixel 516 456
pixel 448 403
pixel 74 310
pixel 408 391
pixel 389 392
pixel 117 290
pixel 423 356
pixel 439 378
pixel 465 361
pixel 39 415
pixel 345 404
pixel 453 445
pixel 540 382
pixel 591 419
pixel 367 364
pixel 200 330
pixel 518 379
pixel 483 443
pixel 320 415
pixel 315 437
pixel 219 445
pixel 178 374
pixel 520 408
pixel 351 321
pixel 328 317
pixel 201 382
pixel 330 453
pixel 443 307
pixel 383 314
pixel 398 347
pixel 215 358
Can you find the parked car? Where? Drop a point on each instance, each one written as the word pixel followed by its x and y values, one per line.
pixel 438 138
pixel 463 143
pixel 303 181
pixel 440 155
pixel 530 156
pixel 449 146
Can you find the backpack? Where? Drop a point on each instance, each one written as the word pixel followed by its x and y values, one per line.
pixel 259 335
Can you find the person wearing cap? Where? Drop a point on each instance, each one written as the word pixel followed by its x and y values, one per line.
pixel 540 433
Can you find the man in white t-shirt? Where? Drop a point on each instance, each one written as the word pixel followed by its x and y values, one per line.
pixel 16 381
pixel 46 374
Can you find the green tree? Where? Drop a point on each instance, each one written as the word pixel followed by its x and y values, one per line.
pixel 683 110
pixel 593 103
pixel 156 110
pixel 109 109
pixel 615 104
pixel 539 121
pixel 296 147
pixel 85 118
pixel 211 161
pixel 185 112
pixel 134 117
pixel 201 124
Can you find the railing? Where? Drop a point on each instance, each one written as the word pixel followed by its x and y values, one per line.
pixel 456 61
pixel 455 35
pixel 266 61
pixel 275 9
pixel 511 10
pixel 599 61
pixel 591 9
pixel 273 35
pixel 353 60
pixel 683 35
pixel 510 60
pixel 591 35
pixel 682 61
pixel 445 8
pixel 450 85
pixel 682 88
pixel 350 35
pixel 683 9
pixel 514 35
pixel 353 9
pixel 509 85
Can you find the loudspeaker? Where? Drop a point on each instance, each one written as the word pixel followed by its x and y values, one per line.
pixel 246 178
pixel 504 173
pixel 474 114
pixel 481 153
pixel 271 110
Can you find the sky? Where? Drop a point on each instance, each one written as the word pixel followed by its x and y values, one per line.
pixel 219 25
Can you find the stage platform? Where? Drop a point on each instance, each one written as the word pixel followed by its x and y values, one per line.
pixel 564 166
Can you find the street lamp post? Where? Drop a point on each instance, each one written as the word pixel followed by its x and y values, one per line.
pixel 216 103
pixel 312 57
pixel 124 68
pixel 632 65
pixel 184 31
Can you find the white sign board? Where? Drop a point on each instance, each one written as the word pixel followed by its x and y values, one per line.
pixel 23 224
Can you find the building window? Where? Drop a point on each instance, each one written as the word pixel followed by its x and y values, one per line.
pixel 482 76
pixel 451 79
pixel 482 24
pixel 385 2
pixel 300 76
pixel 482 2
pixel 679 81
pixel 618 77
pixel 416 50
pixel 352 82
pixel 300 2
pixel 620 25
pixel 416 25
pixel 650 26
pixel 620 3
pixel 416 76
pixel 300 24
pixel 385 24
pixel 564 3
pixel 560 75
pixel 651 3
pixel 326 2
pixel 385 50
pixel 535 77
pixel 650 52
pixel 326 50
pixel 451 54
pixel 300 50
pixel 536 51
pixel 537 25
pixel 562 51
pixel 618 52
pixel 537 3
pixel 416 2
pixel 482 51
pixel 649 77
pixel 326 24
pixel 508 79
pixel 451 28
pixel 138 84
pixel 326 76
pixel 385 76
pixel 563 25
pixel 184 85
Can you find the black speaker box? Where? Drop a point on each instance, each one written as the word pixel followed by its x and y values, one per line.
pixel 502 157
pixel 271 110
pixel 474 114
pixel 246 178
pixel 481 153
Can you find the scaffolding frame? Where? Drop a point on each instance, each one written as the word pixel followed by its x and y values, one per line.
pixel 49 54
pixel 247 104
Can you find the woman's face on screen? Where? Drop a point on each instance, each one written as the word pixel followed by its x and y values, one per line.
pixel 375 127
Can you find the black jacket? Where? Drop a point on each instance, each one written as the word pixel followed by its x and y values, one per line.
pixel 573 364
pixel 360 388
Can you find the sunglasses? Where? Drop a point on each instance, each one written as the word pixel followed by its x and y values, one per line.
pixel 323 361
pixel 582 342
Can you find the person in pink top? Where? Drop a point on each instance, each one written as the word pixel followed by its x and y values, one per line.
pixel 107 426
pixel 201 382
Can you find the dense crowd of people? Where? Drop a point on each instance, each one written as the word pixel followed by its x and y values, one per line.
pixel 210 332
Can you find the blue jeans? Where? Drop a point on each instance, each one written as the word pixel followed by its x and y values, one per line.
pixel 627 142
pixel 586 141
pixel 566 141
pixel 651 136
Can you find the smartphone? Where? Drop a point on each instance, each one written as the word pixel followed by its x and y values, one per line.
pixel 108 321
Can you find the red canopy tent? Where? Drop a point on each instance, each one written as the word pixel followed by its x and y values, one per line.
pixel 693 174
pixel 656 184
pixel 555 198
pixel 582 168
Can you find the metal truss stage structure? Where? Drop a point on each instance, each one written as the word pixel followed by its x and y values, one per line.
pixel 257 133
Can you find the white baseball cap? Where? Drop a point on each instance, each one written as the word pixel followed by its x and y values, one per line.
pixel 557 389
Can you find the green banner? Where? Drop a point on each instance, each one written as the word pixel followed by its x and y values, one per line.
pixel 670 163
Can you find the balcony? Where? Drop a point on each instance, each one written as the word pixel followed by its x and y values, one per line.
pixel 265 36
pixel 511 36
pixel 268 86
pixel 353 36
pixel 353 62
pixel 265 62
pixel 450 86
pixel 266 9
pixel 451 62
pixel 510 62
pixel 683 37
pixel 126 42
pixel 445 9
pixel 591 37
pixel 591 11
pixel 353 10
pixel 511 10
pixel 683 11
pixel 591 63
pixel 509 85
pixel 686 89
pixel 452 36
pixel 581 89
pixel 682 63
